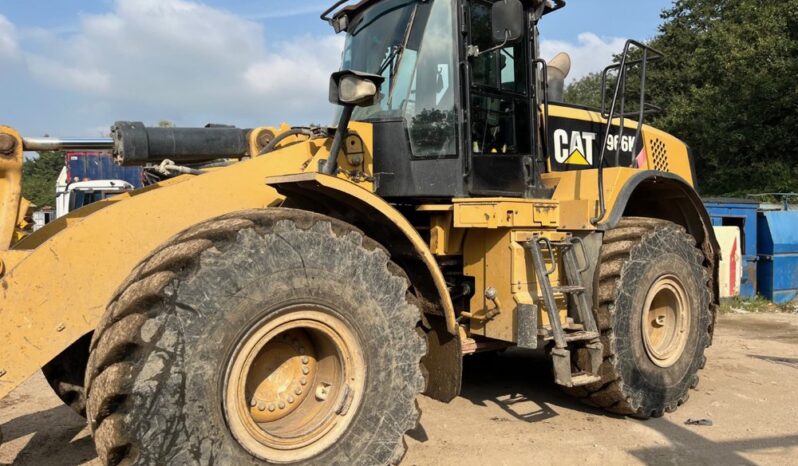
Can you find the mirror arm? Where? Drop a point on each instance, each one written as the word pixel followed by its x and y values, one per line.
pixel 473 50
pixel 331 165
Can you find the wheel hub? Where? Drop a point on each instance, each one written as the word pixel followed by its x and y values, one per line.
pixel 666 321
pixel 294 384
pixel 279 376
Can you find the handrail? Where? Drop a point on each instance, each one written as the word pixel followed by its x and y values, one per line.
pixel 546 142
pixel 326 15
pixel 619 95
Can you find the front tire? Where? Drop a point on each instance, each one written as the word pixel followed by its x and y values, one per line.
pixel 655 318
pixel 271 336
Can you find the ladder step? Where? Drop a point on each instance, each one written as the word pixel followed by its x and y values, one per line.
pixel 581 336
pixel 569 289
pixel 584 379
pixel 569 337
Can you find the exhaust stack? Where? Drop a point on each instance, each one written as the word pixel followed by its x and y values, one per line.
pixel 558 69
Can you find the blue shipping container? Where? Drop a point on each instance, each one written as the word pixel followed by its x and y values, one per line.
pixel 778 256
pixel 741 213
pixel 100 166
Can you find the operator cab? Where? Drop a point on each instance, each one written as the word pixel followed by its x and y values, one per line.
pixel 456 114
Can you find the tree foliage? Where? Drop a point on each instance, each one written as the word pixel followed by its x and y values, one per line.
pixel 39 176
pixel 728 89
pixel 585 91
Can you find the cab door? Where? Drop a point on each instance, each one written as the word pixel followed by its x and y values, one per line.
pixel 499 106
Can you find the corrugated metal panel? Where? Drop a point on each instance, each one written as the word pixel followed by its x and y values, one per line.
pixel 778 256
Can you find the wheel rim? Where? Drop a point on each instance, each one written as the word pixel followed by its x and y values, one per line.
pixel 294 384
pixel 666 321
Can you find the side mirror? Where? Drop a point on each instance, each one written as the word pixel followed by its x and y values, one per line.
pixel 507 22
pixel 356 89
pixel 507 19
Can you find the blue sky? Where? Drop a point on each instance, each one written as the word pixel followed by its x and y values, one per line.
pixel 75 66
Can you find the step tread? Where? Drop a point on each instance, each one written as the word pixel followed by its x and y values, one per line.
pixel 581 336
pixel 584 379
pixel 568 289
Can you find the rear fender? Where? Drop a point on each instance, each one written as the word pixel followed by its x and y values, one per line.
pixel 669 197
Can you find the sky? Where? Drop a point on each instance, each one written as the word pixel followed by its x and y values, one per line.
pixel 70 68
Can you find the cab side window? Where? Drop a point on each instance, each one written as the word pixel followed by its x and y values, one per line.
pixel 499 106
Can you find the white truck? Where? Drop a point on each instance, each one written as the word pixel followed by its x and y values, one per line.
pixel 74 194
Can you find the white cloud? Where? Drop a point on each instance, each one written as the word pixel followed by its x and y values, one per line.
pixel 298 76
pixel 8 39
pixel 180 59
pixel 589 54
pixel 62 76
pixel 191 63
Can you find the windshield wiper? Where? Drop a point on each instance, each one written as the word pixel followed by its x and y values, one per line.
pixel 390 60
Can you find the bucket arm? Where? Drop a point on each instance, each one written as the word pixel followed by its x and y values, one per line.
pixel 66 272
pixel 10 186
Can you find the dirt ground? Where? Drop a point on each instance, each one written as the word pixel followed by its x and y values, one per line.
pixel 510 413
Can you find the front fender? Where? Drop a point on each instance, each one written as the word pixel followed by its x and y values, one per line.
pixel 328 194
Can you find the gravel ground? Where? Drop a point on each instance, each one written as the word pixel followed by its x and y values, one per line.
pixel 510 413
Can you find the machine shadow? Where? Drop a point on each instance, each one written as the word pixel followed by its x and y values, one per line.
pixel 520 382
pixel 53 442
pixel 688 447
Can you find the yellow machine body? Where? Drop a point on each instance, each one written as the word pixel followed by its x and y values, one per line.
pixel 55 283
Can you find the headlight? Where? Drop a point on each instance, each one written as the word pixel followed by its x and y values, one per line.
pixel 352 90
pixel 355 88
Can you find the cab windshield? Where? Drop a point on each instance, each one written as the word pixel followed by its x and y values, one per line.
pixel 410 43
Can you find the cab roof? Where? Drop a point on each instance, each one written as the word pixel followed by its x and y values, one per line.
pixel 350 8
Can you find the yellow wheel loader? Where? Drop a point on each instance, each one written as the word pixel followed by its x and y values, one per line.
pixel 283 294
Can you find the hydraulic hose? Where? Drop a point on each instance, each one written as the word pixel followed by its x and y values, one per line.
pixel 282 136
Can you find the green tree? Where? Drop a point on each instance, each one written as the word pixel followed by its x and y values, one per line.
pixel 39 176
pixel 585 91
pixel 727 87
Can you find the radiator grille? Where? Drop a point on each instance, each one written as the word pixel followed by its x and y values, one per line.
pixel 659 155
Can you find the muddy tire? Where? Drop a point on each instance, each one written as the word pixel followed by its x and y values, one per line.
pixel 66 374
pixel 273 292
pixel 654 313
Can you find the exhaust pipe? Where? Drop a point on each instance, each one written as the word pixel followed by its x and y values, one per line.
pixel 558 69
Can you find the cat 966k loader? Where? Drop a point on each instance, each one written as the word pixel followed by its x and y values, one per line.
pixel 285 294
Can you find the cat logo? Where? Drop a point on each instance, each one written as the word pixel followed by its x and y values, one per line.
pixel 575 148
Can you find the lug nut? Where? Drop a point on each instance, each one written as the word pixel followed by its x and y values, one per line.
pixel 322 391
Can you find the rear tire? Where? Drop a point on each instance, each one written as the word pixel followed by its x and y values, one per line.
pixel 655 318
pixel 162 379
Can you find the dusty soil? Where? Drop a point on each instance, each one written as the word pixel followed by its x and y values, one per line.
pixel 510 413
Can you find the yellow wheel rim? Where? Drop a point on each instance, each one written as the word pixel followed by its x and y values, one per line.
pixel 666 321
pixel 293 384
